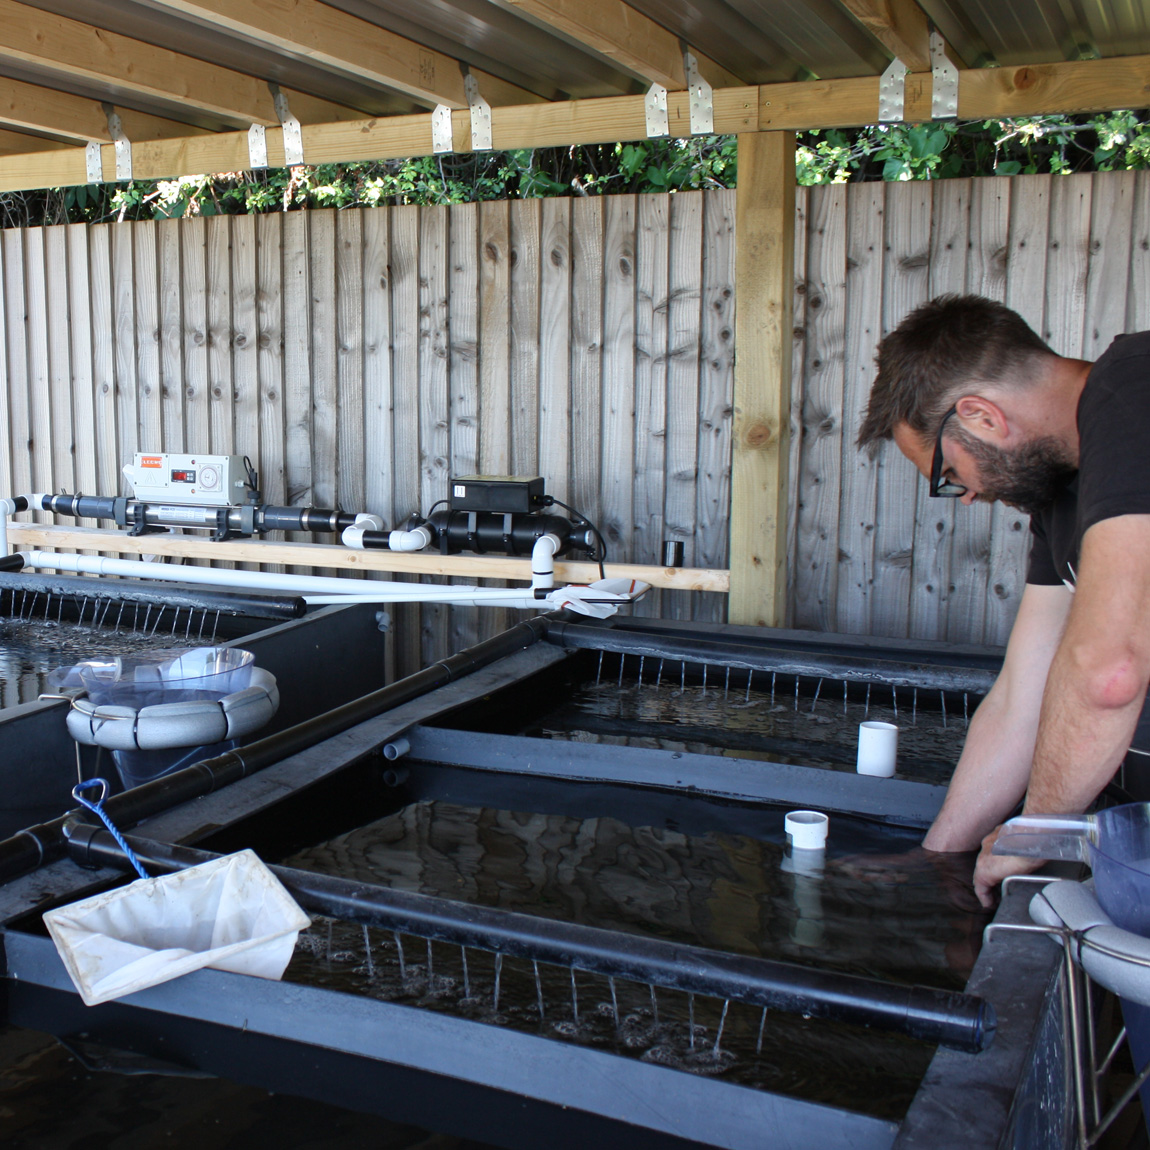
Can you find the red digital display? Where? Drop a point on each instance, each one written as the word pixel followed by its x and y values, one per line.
pixel 183 477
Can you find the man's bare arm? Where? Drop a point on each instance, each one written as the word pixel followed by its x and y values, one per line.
pixel 993 771
pixel 1097 681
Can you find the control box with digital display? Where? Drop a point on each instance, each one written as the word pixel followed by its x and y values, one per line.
pixel 207 480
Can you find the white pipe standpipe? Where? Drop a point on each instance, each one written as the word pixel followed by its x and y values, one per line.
pixel 543 560
pixel 600 599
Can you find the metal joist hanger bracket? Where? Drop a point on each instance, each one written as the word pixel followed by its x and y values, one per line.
pixel 93 162
pixel 480 115
pixel 121 142
pixel 892 93
pixel 944 81
pixel 702 98
pixel 441 132
pixel 257 147
pixel 655 105
pixel 293 133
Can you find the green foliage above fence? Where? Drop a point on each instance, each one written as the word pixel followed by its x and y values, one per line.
pixel 1035 144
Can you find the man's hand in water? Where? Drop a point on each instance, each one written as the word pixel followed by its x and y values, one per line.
pixel 952 870
pixel 991 869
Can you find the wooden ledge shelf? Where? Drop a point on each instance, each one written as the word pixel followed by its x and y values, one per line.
pixel 23 536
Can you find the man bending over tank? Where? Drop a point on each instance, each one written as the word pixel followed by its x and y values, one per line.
pixel 985 411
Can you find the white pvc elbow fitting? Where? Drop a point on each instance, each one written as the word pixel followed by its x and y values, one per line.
pixel 353 536
pixel 415 540
pixel 543 561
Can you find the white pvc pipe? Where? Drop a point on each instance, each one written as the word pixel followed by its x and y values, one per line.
pixel 315 589
pixel 543 560
pixel 353 535
pixel 211 576
pixel 415 540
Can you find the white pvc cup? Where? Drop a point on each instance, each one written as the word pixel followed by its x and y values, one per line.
pixel 807 830
pixel 878 747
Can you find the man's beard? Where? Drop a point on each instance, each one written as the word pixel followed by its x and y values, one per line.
pixel 1028 477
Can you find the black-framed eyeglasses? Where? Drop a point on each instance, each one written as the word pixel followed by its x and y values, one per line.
pixel 943 488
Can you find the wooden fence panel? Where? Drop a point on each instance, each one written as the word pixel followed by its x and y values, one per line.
pixel 905 285
pixel 683 332
pixel 716 399
pixel 818 487
pixel 650 383
pixel 361 358
pixel 859 483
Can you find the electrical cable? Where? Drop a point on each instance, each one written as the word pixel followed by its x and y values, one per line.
pixel 579 517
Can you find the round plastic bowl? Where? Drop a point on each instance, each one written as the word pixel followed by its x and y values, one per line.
pixel 167 676
pixel 1120 860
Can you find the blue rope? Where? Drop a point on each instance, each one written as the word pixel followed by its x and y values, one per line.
pixel 97 808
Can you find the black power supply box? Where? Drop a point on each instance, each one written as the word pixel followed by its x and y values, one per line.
pixel 504 494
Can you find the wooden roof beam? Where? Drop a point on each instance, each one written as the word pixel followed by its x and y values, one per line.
pixel 70 54
pixel 36 109
pixel 900 26
pixel 345 45
pixel 623 35
pixel 19 143
pixel 986 93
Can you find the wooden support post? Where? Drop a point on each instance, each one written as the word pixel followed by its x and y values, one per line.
pixel 764 275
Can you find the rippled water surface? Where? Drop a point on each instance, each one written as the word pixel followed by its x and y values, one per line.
pixel 876 906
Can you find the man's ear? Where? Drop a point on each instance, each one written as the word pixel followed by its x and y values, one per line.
pixel 983 417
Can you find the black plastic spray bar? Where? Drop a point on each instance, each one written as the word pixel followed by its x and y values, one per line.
pixel 254 606
pixel 31 848
pixel 950 1018
pixel 753 657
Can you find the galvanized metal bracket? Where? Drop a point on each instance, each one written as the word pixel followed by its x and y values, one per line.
pixel 94 162
pixel 441 135
pixel 257 147
pixel 655 105
pixel 944 81
pixel 480 115
pixel 892 93
pixel 121 142
pixel 293 133
pixel 702 98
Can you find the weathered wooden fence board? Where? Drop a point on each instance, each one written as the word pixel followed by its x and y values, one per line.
pixel 362 357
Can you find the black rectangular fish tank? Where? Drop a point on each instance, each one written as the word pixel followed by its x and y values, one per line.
pixel 553 902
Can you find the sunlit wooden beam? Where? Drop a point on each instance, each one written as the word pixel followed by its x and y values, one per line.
pixel 39 109
pixel 345 45
pixel 16 143
pixel 70 54
pixel 900 26
pixel 623 35
pixel 1037 89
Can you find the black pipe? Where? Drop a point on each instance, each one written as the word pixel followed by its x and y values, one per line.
pixel 242 519
pixel 793 661
pixel 252 605
pixel 12 562
pixel 950 1018
pixel 511 534
pixel 31 847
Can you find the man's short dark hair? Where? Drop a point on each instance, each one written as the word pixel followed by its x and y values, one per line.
pixel 937 354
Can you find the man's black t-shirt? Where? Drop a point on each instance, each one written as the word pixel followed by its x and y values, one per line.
pixel 1113 462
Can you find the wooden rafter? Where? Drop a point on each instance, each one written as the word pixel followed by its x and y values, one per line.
pixel 1077 86
pixel 29 107
pixel 624 36
pixel 15 143
pixel 345 45
pixel 900 26
pixel 70 54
